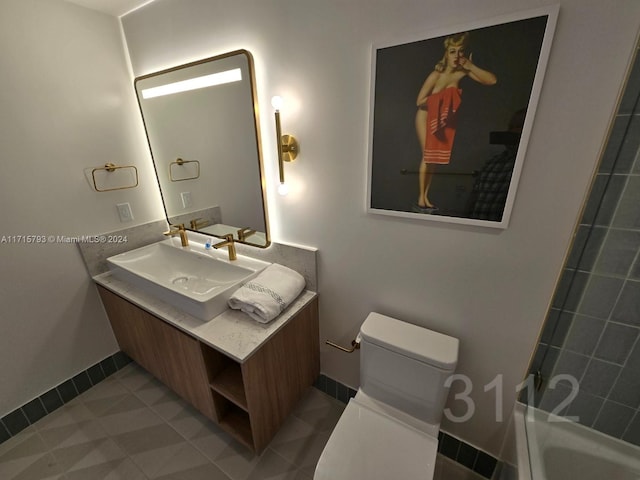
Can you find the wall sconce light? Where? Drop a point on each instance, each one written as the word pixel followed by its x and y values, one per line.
pixel 288 147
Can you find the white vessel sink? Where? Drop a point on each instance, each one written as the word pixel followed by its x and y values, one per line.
pixel 196 280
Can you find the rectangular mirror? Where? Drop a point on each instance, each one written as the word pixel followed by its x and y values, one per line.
pixel 202 126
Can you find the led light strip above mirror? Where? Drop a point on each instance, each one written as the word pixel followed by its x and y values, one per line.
pixel 220 78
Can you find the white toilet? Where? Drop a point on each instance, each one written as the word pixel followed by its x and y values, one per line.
pixel 390 428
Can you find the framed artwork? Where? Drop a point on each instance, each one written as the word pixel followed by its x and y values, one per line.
pixel 450 119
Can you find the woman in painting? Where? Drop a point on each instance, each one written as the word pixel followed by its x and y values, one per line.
pixel 438 102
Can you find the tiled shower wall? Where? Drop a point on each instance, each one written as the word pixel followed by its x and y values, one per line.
pixel 592 331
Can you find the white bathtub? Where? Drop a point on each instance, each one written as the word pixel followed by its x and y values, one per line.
pixel 552 448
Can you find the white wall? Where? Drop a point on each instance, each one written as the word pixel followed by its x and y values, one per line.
pixel 67 105
pixel 489 288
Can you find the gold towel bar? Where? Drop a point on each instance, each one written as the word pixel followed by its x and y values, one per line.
pixel 110 167
pixel 180 162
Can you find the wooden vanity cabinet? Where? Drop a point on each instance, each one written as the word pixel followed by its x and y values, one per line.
pixel 164 351
pixel 249 400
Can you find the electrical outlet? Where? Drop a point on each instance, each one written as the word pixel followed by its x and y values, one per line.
pixel 124 211
pixel 187 201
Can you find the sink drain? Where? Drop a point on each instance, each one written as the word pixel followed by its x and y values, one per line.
pixel 180 280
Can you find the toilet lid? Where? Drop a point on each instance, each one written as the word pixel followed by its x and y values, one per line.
pixel 372 445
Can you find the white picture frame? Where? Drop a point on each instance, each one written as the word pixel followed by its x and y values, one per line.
pixel 483 102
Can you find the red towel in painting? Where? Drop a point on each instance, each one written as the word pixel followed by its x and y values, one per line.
pixel 442 108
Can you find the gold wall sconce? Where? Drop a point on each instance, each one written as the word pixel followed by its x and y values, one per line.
pixel 288 147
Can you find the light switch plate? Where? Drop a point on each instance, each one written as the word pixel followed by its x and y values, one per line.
pixel 187 201
pixel 124 211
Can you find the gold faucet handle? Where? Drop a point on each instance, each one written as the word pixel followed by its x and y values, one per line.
pixel 178 230
pixel 197 223
pixel 174 229
pixel 230 244
pixel 228 240
pixel 245 232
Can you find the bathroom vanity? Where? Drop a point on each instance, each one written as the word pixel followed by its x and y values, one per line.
pixel 167 302
pixel 245 376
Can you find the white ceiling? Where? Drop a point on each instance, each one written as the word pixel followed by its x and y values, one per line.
pixel 116 8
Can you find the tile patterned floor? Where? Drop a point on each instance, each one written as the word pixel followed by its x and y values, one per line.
pixel 131 427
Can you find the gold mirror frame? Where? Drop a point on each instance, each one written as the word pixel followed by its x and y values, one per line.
pixel 204 218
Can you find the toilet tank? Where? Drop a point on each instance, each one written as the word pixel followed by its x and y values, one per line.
pixel 406 366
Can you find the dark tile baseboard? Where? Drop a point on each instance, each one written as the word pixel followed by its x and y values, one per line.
pixel 457 450
pixel 26 415
pixel 461 452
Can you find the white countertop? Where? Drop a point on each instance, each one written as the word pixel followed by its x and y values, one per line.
pixel 232 333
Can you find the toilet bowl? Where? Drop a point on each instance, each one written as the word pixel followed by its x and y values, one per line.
pixel 369 444
pixel 390 428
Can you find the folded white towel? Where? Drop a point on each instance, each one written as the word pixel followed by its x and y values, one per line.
pixel 268 294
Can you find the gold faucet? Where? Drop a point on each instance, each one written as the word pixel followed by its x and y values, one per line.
pixel 229 243
pixel 243 233
pixel 198 223
pixel 178 230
